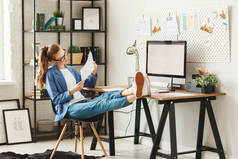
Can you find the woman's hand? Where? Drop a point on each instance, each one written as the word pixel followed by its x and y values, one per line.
pixel 94 68
pixel 80 85
pixel 77 87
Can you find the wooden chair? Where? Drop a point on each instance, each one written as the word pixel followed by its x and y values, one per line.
pixel 78 126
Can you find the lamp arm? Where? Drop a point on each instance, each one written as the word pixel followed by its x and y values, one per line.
pixel 137 69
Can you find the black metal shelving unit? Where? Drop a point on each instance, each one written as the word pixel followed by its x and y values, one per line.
pixel 34 32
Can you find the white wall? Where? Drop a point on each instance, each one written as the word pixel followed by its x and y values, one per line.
pixel 122 16
pixel 14 91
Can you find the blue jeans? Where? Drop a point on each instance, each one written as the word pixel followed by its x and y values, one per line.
pixel 104 103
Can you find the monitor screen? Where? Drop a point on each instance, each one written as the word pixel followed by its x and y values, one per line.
pixel 166 58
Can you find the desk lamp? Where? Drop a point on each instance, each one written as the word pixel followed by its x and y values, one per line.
pixel 131 50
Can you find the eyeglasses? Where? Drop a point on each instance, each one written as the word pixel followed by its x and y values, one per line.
pixel 62 58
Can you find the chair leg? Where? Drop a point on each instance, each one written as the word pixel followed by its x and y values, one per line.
pixel 76 135
pixel 58 142
pixel 98 138
pixel 81 137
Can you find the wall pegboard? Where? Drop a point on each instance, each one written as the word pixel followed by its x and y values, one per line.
pixel 208 47
pixel 202 45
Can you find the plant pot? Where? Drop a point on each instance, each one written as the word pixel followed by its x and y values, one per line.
pixel 208 89
pixel 76 58
pixel 59 20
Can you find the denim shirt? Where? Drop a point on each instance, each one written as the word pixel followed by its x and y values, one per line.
pixel 58 91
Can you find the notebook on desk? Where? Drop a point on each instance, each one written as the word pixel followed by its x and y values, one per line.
pixel 158 90
pixel 113 89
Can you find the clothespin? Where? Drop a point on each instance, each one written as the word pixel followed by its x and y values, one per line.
pixel 215 14
pixel 208 20
pixel 156 27
pixel 143 16
pixel 223 15
pixel 225 25
pixel 169 17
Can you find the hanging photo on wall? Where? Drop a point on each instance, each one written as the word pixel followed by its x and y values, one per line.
pixel 91 18
pixel 6 104
pixel 17 126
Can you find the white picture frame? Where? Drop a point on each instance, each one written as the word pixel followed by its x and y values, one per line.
pixel 91 18
pixel 4 105
pixel 17 126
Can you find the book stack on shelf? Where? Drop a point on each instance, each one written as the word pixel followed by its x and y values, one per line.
pixel 40 21
pixel 95 52
pixel 40 93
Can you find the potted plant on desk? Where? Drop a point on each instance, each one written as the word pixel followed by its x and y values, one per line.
pixel 207 81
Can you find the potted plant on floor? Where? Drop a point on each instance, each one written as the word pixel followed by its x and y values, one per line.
pixel 207 81
pixel 76 54
pixel 59 17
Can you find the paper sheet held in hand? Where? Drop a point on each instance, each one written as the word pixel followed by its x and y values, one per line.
pixel 88 67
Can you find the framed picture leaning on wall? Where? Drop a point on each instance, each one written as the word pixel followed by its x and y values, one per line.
pixel 6 104
pixel 17 126
pixel 91 18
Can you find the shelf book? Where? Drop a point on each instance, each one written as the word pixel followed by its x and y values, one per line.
pixel 40 21
pixel 95 52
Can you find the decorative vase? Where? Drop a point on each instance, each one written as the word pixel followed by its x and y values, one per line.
pixel 208 89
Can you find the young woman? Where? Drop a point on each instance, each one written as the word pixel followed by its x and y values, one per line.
pixel 64 86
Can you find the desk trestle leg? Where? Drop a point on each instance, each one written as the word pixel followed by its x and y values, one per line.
pixel 160 131
pixel 200 130
pixel 206 104
pixel 111 133
pixel 172 125
pixel 137 121
pixel 149 119
pixel 215 130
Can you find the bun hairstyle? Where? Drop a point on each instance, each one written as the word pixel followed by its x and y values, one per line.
pixel 46 55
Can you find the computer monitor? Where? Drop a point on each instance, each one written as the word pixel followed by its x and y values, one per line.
pixel 166 59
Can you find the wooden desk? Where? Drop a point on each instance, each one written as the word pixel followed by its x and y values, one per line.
pixel 169 100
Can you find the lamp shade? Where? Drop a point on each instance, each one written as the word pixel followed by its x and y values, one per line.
pixel 131 50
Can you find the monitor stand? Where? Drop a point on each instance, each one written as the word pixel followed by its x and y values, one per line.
pixel 171 88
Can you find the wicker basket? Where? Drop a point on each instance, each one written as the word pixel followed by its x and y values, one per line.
pixel 77 58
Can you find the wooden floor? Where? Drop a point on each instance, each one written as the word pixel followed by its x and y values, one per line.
pixel 124 149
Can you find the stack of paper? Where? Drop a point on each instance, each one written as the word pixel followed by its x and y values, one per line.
pixel 87 69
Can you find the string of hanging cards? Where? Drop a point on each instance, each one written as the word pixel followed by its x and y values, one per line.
pixel 206 31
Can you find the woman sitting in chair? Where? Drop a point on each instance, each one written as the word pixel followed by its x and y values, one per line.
pixel 64 86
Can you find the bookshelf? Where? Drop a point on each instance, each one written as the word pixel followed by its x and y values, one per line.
pixel 69 8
